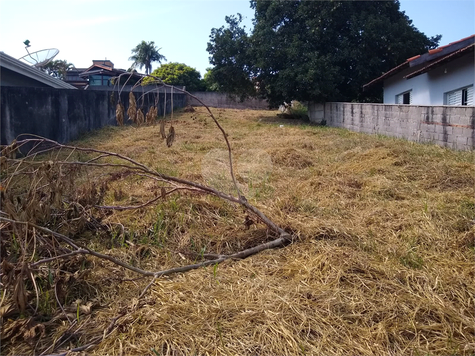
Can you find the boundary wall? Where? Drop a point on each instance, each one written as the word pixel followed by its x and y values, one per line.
pixel 226 101
pixel 64 115
pixel 447 126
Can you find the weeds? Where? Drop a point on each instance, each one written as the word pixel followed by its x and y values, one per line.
pixel 49 187
pixel 296 111
pixel 367 272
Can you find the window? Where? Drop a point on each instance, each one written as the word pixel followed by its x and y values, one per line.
pixel 404 98
pixel 99 80
pixel 462 96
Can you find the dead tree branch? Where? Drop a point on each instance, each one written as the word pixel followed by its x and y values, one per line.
pixel 45 196
pixel 139 167
pixel 281 241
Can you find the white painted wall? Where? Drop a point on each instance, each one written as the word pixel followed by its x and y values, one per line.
pixel 429 88
pixel 460 73
pixel 396 84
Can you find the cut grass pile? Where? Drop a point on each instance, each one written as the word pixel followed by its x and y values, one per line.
pixel 382 263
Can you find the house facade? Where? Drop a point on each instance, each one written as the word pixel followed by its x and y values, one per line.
pixel 99 76
pixel 443 76
pixel 72 77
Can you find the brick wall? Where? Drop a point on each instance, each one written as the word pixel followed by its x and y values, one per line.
pixel 447 126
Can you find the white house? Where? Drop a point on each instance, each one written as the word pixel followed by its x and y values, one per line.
pixel 443 76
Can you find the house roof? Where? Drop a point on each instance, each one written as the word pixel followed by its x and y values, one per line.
pixel 104 62
pixel 100 68
pixel 17 66
pixel 75 70
pixel 388 74
pixel 430 60
pixel 440 61
pixel 100 65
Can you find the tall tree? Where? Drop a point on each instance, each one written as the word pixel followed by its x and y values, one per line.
pixel 144 54
pixel 326 50
pixel 179 74
pixel 58 68
pixel 229 50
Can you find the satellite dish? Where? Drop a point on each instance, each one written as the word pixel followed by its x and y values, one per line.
pixel 41 58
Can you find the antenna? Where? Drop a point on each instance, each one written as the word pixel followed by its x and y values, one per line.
pixel 39 59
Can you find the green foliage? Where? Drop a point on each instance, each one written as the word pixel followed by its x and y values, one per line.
pixel 179 74
pixel 144 54
pixel 58 68
pixel 209 81
pixel 297 111
pixel 412 260
pixel 229 50
pixel 315 50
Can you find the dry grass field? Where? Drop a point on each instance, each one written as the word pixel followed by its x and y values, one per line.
pixel 382 262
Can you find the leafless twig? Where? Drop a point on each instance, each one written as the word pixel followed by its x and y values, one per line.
pixel 150 202
pixel 99 159
pixel 59 303
pixel 282 240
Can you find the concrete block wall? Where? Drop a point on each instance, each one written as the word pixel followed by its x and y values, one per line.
pixel 225 101
pixel 64 115
pixel 447 126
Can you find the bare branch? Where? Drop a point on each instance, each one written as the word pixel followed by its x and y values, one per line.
pixel 225 135
pixel 150 202
pixel 65 339
pixel 59 303
pixel 36 290
pixel 281 241
pixel 148 286
pixel 66 255
pixel 56 242
pixel 81 249
pixel 138 167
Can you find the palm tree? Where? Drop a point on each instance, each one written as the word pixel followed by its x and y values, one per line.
pixel 58 68
pixel 144 54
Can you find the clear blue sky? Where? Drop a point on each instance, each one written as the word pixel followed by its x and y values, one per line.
pixel 84 30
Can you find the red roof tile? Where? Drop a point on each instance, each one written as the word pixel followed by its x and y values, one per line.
pixel 440 61
pixel 424 59
pixel 412 58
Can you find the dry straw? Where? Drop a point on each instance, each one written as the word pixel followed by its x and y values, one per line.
pixel 382 263
pixel 171 136
pixel 140 117
pixel 151 115
pixel 132 110
pixel 162 129
pixel 119 114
